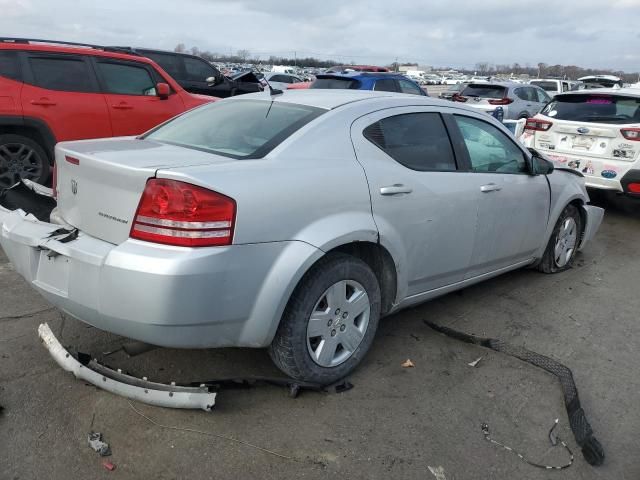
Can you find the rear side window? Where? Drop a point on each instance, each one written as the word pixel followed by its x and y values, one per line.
pixel 548 86
pixel 418 141
pixel 540 95
pixel 615 109
pixel 126 79
pixel 66 74
pixel 386 85
pixel 484 91
pixel 238 129
pixel 198 70
pixel 336 83
pixel 9 66
pixel 169 63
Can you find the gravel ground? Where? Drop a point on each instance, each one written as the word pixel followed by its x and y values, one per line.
pixel 396 422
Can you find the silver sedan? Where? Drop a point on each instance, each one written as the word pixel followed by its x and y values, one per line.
pixel 294 222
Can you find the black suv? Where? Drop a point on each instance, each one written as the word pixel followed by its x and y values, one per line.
pixel 196 75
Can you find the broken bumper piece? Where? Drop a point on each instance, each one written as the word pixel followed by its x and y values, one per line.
pixel 118 383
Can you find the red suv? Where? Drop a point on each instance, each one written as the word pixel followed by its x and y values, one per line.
pixel 56 91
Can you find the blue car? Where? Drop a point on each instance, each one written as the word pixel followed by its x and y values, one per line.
pixel 379 81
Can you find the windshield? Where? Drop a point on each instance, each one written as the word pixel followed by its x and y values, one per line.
pixel 236 128
pixel 548 86
pixel 336 83
pixel 594 107
pixel 484 91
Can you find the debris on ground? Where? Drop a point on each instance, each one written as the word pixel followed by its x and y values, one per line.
pixel 209 434
pixel 407 363
pixel 475 362
pixel 96 442
pixel 108 465
pixel 553 439
pixel 438 472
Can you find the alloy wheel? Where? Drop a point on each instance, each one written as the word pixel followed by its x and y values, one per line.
pixel 338 323
pixel 18 161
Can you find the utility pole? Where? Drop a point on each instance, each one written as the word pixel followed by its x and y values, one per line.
pixel 396 64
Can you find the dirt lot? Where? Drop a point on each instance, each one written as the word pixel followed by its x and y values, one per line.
pixel 395 423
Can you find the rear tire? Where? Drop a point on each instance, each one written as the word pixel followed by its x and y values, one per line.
pixel 564 242
pixel 22 158
pixel 330 321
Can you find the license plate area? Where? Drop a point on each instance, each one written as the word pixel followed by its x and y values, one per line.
pixel 583 143
pixel 53 273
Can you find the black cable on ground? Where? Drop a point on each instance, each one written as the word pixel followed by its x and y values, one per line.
pixel 591 447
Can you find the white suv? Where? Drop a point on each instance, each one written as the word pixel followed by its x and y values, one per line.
pixel 552 86
pixel 596 132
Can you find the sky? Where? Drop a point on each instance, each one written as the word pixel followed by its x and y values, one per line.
pixel 457 33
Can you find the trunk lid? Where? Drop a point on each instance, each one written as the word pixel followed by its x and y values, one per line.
pixel 99 183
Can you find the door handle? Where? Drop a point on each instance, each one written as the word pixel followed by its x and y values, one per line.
pixel 122 106
pixel 44 102
pixel 490 187
pixel 396 189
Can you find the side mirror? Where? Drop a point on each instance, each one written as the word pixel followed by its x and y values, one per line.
pixel 163 90
pixel 541 166
pixel 213 81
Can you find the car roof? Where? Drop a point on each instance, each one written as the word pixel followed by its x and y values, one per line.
pixel 359 75
pixel 77 49
pixel 333 98
pixel 625 91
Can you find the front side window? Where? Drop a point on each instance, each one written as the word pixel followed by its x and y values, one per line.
pixel 237 129
pixel 409 87
pixel 418 141
pixel 125 79
pixel 9 67
pixel 540 96
pixel 65 74
pixel 598 108
pixel 489 149
pixel 386 85
pixel 198 70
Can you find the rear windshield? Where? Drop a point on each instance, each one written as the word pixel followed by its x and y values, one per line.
pixel 336 83
pixel 594 108
pixel 236 128
pixel 484 91
pixel 548 86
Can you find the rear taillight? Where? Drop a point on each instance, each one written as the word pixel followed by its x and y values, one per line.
pixel 537 125
pixel 633 188
pixel 458 98
pixel 501 101
pixel 178 213
pixel 632 134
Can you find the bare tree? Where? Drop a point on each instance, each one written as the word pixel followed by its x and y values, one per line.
pixel 541 69
pixel 180 48
pixel 243 54
pixel 482 67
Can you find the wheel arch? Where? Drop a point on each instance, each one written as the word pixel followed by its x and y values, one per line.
pixel 33 128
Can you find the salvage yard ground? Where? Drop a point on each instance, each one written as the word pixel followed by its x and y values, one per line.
pixel 395 423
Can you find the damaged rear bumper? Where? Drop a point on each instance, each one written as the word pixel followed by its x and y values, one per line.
pixel 118 383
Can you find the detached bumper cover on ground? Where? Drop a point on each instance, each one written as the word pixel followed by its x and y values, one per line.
pixel 158 394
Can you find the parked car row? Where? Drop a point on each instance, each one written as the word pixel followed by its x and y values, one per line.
pixel 53 93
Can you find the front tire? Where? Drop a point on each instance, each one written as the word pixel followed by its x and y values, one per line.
pixel 564 242
pixel 330 321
